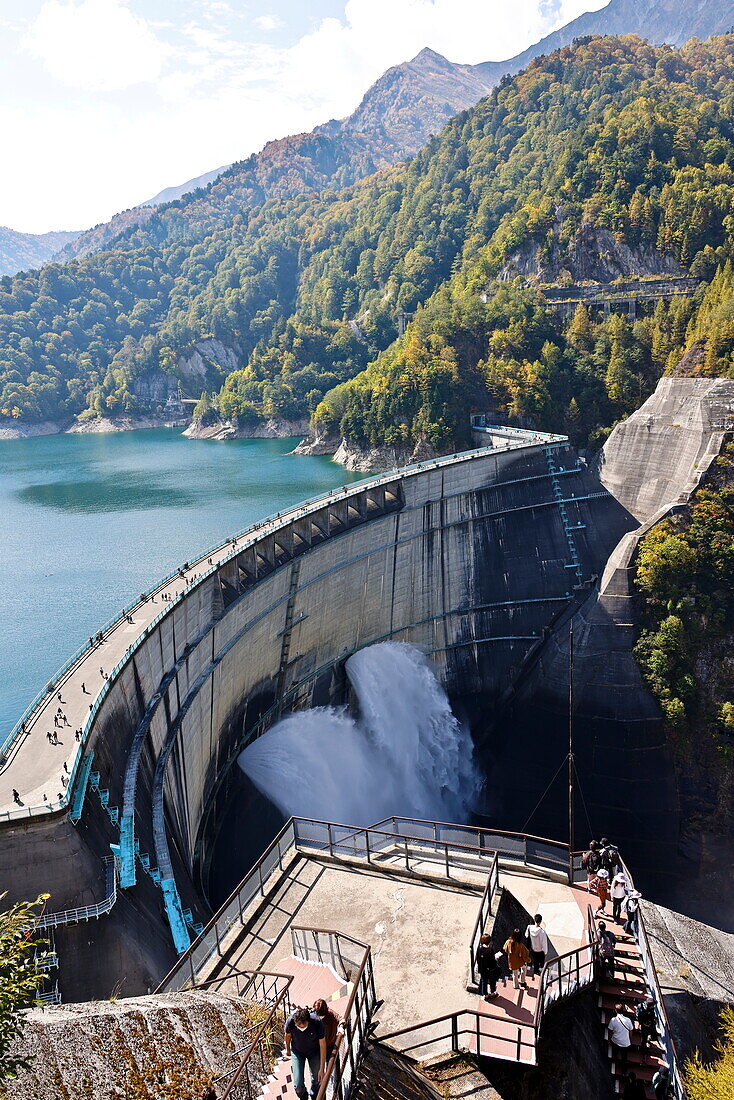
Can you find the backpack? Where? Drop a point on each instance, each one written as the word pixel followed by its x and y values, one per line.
pixel 610 858
pixel 590 862
pixel 632 905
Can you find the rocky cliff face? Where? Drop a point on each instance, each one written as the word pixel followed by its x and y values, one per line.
pixel 144 1048
pixel 592 253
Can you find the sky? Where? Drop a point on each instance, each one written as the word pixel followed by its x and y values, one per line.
pixel 103 103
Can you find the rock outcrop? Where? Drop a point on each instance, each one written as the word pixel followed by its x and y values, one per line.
pixel 146 1048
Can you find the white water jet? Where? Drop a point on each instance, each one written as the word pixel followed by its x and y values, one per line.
pixel 406 754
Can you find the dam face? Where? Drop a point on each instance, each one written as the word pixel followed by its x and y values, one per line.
pixel 476 559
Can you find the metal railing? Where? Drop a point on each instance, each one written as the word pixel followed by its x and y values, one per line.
pixel 325 837
pixel 262 1048
pixel 485 912
pixel 260 529
pixel 523 848
pixel 335 949
pixel 654 988
pixel 484 1034
pixel 86 912
pixel 568 973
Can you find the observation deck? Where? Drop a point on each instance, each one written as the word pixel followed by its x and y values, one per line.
pixel 389 919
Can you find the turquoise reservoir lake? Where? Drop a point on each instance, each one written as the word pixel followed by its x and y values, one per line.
pixel 90 521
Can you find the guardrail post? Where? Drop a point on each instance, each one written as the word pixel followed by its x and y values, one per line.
pixel 331 841
pixel 525 850
pixel 407 857
pixel 446 857
pixel 239 906
pixel 216 936
pixel 367 844
pixel 260 876
pixel 454 1032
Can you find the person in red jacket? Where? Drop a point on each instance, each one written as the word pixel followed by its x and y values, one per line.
pixel 599 885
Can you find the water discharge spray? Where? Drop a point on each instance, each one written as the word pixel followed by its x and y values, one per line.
pixel 405 754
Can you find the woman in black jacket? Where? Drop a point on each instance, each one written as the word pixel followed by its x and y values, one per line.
pixel 488 968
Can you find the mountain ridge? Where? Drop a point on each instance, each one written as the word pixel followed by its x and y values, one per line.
pixel 396 116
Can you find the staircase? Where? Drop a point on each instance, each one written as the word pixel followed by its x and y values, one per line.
pixel 628 987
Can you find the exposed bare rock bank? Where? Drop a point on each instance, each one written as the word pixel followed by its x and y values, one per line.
pixel 149 1048
pixel 103 425
pixel 263 429
pixel 318 445
pixel 365 459
pixel 381 459
pixel 19 429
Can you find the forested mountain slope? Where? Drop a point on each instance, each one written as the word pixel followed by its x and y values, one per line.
pixel 18 250
pixel 304 293
pixel 670 22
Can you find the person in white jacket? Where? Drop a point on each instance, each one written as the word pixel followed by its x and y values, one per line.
pixel 538 943
pixel 620 889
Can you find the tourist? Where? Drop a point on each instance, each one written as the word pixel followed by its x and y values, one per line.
pixel 84 689
pixel 332 1025
pixel 50 738
pixel 609 856
pixel 632 906
pixel 620 887
pixel 518 958
pixel 591 863
pixel 538 943
pixel 16 797
pixel 599 885
pixel 620 1028
pixel 488 967
pixel 645 1020
pixel 661 1083
pixel 305 1042
pixel 607 943
pixel 634 1089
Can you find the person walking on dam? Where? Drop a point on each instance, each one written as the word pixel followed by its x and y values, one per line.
pixel 488 967
pixel 538 943
pixel 518 958
pixel 305 1041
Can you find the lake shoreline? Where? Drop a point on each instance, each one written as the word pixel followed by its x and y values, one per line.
pixel 22 429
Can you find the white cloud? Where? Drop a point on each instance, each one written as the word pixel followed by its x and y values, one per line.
pixel 200 94
pixel 268 22
pixel 95 44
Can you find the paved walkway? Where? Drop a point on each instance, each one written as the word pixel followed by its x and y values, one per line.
pixel 36 768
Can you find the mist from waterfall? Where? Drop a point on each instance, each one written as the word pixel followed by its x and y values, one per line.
pixel 405 754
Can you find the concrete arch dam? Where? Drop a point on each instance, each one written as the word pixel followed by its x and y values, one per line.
pixel 473 558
